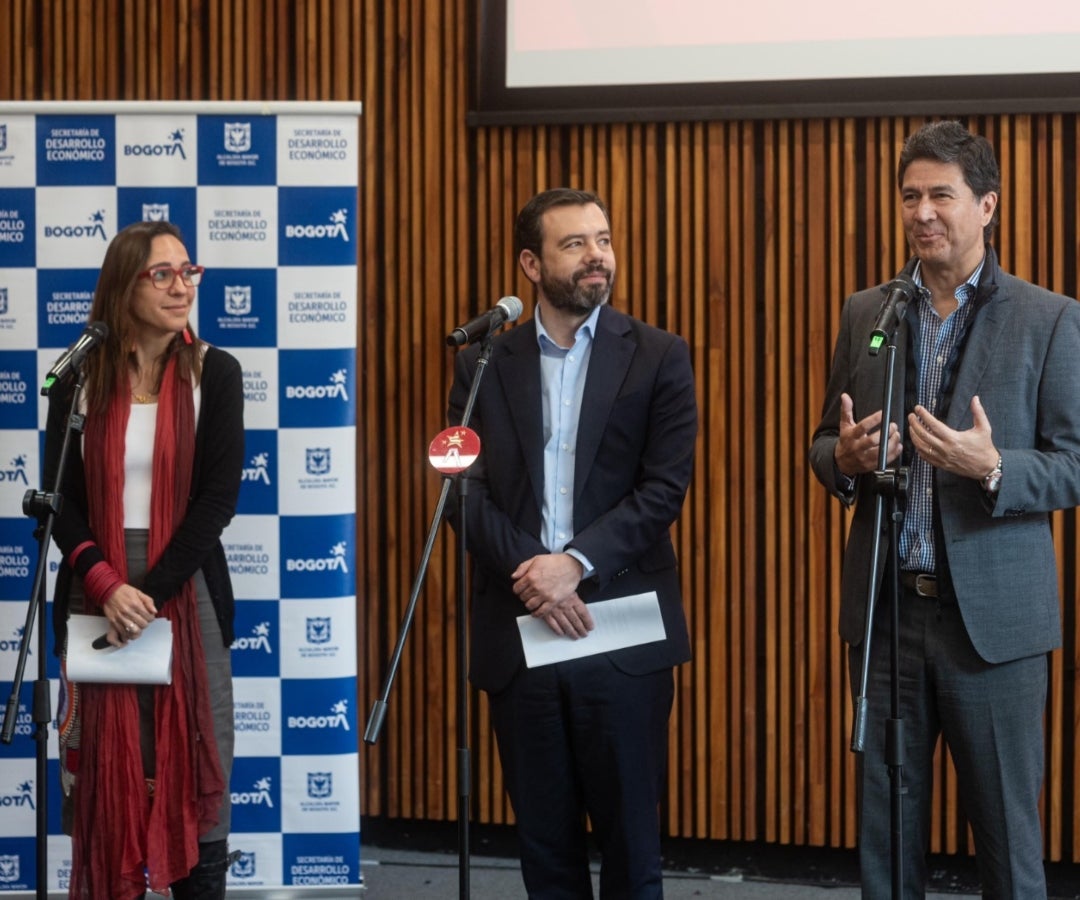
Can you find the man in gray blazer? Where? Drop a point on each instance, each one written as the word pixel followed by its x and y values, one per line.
pixel 587 420
pixel 987 390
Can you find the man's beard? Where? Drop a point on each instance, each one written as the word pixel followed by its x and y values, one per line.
pixel 570 296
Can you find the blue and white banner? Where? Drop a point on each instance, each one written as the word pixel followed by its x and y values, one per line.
pixel 266 197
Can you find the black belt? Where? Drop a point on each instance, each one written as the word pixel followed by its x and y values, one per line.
pixel 924 584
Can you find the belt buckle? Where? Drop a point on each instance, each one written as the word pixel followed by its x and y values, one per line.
pixel 926 585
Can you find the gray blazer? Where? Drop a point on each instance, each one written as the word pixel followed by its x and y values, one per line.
pixel 1022 359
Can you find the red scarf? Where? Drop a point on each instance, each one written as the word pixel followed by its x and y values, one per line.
pixel 120 837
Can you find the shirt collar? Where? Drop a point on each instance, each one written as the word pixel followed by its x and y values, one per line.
pixel 588 328
pixel 963 292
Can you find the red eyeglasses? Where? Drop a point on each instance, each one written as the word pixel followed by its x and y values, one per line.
pixel 163 277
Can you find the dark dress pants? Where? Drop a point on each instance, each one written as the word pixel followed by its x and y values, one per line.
pixel 991 717
pixel 578 739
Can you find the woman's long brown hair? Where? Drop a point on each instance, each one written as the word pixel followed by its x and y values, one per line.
pixel 127 256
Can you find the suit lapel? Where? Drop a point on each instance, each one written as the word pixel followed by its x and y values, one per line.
pixel 983 348
pixel 518 371
pixel 608 363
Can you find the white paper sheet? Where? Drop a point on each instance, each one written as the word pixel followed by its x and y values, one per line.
pixel 146 660
pixel 620 622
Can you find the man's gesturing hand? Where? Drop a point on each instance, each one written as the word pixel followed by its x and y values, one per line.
pixel 859 442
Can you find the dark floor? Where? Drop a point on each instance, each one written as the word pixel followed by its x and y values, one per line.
pixel 409 858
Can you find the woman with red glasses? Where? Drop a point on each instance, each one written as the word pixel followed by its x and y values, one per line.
pixel 147 493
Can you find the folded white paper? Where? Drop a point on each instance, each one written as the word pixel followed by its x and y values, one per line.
pixel 620 622
pixel 145 660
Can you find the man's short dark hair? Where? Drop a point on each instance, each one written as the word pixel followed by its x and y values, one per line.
pixel 528 232
pixel 951 142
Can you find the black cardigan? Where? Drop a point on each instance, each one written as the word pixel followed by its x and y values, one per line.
pixel 215 485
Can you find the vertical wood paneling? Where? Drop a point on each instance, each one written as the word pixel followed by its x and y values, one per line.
pixel 744 237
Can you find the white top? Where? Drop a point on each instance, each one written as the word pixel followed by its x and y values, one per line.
pixel 138 464
pixel 139 460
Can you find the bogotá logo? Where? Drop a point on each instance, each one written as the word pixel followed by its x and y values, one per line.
pixel 258 470
pixel 16 472
pixel 15 641
pixel 96 228
pixel 173 145
pixel 259 795
pixel 336 388
pixel 335 562
pixel 259 639
pixel 336 719
pixel 22 798
pixel 335 229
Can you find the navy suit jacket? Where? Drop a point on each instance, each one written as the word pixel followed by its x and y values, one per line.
pixel 633 462
pixel 1022 359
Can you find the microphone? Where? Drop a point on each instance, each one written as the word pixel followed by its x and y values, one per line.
pixel 72 358
pixel 899 292
pixel 506 310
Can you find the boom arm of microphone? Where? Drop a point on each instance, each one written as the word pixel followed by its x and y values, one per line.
pixel 898 294
pixel 506 310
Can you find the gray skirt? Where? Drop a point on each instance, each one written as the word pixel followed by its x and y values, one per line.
pixel 219 672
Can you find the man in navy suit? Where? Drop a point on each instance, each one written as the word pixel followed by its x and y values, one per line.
pixel 587 420
pixel 988 383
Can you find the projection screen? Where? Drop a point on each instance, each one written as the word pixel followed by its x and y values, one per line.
pixel 661 59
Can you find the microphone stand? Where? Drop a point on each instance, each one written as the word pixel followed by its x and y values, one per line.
pixel 379 708
pixel 45 507
pixel 889 485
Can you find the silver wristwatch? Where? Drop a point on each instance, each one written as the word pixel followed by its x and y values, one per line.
pixel 992 483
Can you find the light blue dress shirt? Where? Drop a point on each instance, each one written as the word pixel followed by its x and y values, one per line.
pixel 562 385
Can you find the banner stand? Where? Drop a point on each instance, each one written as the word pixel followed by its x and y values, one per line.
pixel 266 196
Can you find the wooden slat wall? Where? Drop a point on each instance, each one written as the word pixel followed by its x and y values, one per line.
pixel 742 236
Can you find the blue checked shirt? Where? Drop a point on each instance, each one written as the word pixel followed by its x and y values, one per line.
pixel 937 339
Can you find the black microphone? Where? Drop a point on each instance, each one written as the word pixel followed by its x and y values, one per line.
pixel 898 294
pixel 506 310
pixel 72 358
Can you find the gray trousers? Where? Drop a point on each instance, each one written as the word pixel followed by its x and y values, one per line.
pixel 991 717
